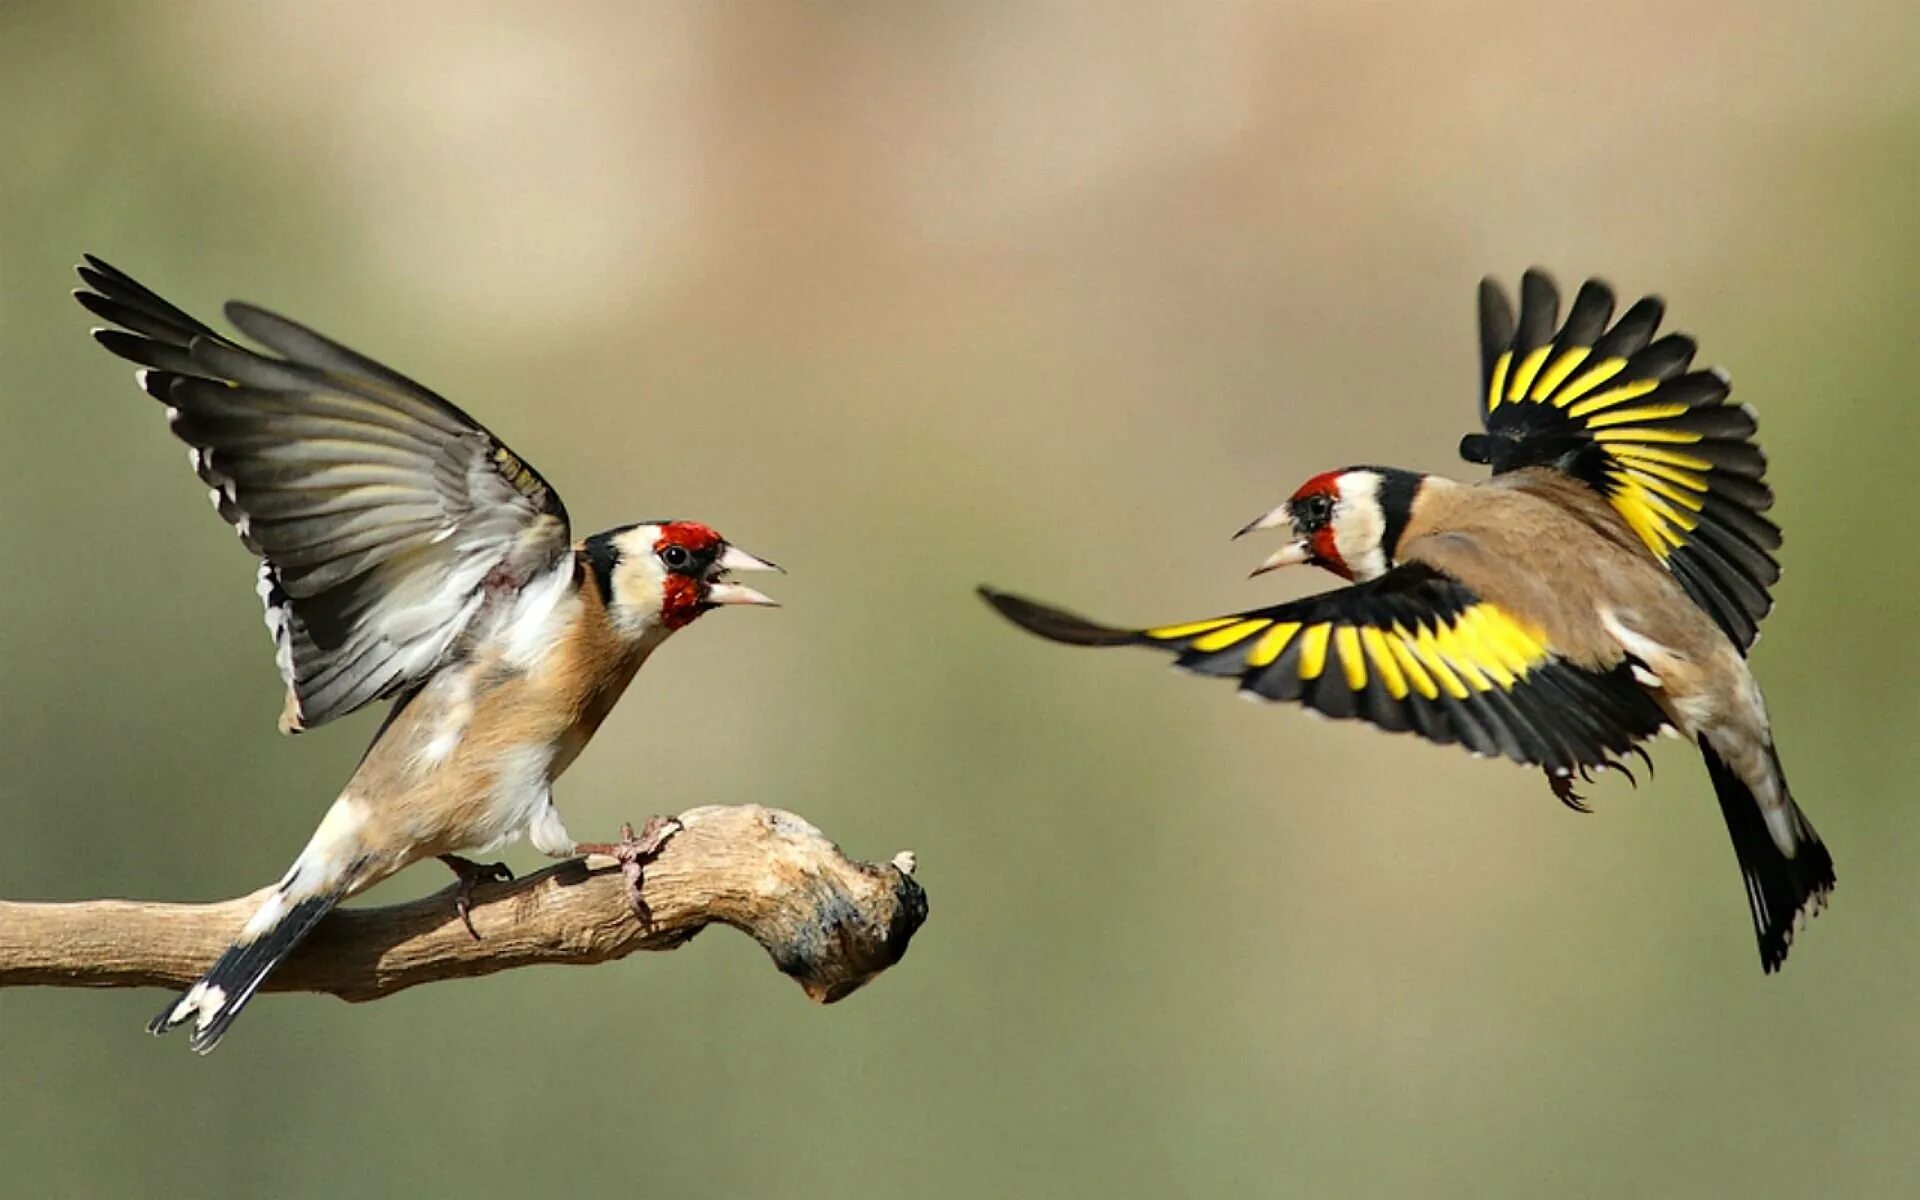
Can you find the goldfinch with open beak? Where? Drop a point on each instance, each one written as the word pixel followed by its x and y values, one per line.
pixel 408 555
pixel 1603 586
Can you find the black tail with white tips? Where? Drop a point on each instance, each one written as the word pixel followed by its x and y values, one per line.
pixel 213 1002
pixel 1781 887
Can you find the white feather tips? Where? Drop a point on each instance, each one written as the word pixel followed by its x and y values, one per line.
pixel 279 622
pixel 201 1004
pixel 212 1000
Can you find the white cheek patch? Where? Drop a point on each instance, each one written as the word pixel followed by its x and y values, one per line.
pixel 1360 526
pixel 635 585
pixel 639 586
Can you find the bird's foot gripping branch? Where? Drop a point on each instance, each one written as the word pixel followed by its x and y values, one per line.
pixel 632 853
pixel 831 923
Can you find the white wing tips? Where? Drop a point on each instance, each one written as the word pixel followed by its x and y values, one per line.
pixel 279 619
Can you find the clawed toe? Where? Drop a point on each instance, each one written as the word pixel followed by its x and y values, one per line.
pixel 1587 770
pixel 653 835
pixel 633 852
pixel 1562 784
pixel 1645 761
pixel 471 875
pixel 1560 779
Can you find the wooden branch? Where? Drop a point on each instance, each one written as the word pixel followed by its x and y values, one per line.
pixel 831 923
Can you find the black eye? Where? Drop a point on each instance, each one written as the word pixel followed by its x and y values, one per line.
pixel 1316 509
pixel 676 557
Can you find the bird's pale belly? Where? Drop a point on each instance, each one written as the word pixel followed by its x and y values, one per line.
pixel 520 792
pixel 467 767
pixel 482 796
pixel 469 764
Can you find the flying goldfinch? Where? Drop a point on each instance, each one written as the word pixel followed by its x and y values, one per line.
pixel 1603 586
pixel 406 554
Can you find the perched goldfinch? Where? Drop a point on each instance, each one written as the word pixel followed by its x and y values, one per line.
pixel 1603 586
pixel 406 554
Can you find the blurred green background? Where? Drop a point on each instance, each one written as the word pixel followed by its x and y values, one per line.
pixel 911 297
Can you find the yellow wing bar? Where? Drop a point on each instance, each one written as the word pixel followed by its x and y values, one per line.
pixel 1414 650
pixel 1619 409
pixel 1478 648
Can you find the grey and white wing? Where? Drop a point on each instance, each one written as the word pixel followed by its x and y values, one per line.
pixel 383 515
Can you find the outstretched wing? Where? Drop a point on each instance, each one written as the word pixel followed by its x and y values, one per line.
pixel 383 515
pixel 1414 650
pixel 1619 409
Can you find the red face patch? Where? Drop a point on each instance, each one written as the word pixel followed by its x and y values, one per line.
pixel 680 601
pixel 690 536
pixel 1327 484
pixel 684 592
pixel 1326 554
pixel 1313 504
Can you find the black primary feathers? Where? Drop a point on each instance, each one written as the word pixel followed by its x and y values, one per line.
pixel 1619 409
pixel 1414 651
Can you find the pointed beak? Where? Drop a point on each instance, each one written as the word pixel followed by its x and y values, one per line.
pixel 1292 554
pixel 721 590
pixel 738 593
pixel 1271 519
pixel 736 559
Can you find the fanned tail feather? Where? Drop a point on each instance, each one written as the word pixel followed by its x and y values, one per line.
pixel 1782 890
pixel 215 1000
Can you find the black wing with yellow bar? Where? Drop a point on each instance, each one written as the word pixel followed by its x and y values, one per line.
pixel 1414 650
pixel 1620 409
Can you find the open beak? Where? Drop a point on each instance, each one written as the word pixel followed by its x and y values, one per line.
pixel 1273 518
pixel 721 590
pixel 1292 554
pixel 736 559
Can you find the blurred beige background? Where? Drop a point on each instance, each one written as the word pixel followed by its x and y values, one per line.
pixel 915 296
